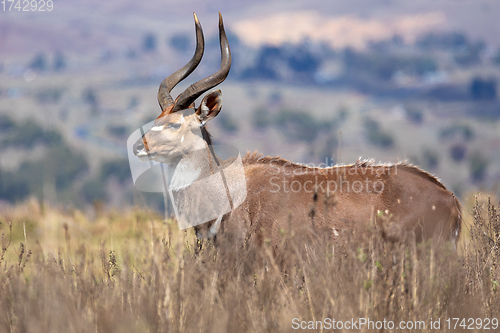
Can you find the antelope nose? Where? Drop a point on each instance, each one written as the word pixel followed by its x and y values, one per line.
pixel 138 146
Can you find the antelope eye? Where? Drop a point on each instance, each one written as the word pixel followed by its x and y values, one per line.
pixel 174 126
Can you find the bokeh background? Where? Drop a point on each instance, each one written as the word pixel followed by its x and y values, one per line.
pixel 312 81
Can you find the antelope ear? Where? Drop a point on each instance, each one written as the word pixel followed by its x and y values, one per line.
pixel 210 106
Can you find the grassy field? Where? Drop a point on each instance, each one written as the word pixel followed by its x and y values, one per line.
pixel 130 271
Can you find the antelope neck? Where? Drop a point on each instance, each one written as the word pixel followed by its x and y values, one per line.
pixel 208 141
pixel 188 168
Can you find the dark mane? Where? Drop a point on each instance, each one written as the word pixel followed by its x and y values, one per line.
pixel 206 136
pixel 208 139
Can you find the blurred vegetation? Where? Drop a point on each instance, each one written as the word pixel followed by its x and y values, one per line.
pixel 149 42
pixel 457 131
pixel 60 62
pixel 453 41
pixel 94 191
pixel 180 42
pixel 414 115
pixel 378 69
pixel 61 166
pixel 95 188
pixel 483 89
pixel 465 51
pixel 375 135
pixel 261 119
pixel 27 134
pixel 90 97
pixel 6 123
pixel 385 66
pixel 326 149
pixel 478 166
pixel 49 95
pixel 297 126
pixel 118 131
pixel 227 122
pixel 410 74
pixel 281 62
pixel 430 159
pixel 496 58
pixel 458 152
pixel 39 62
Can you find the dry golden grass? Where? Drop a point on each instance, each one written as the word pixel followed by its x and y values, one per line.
pixel 129 271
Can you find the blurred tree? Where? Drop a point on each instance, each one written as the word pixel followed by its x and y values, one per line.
pixel 414 115
pixel 297 125
pixel 49 95
pixel 227 122
pixel 130 53
pixel 66 163
pixel 119 169
pixel 29 134
pixel 496 58
pixel 6 123
pixel 275 97
pixel 118 131
pixel 326 149
pixel 61 164
pixel 462 131
pixel 180 42
pixel 149 43
pixel 301 60
pixel 478 166
pixel 39 62
pixel 465 51
pixel 458 151
pixel 133 102
pixel 91 99
pixel 450 41
pixel 384 66
pixel 59 62
pixel 269 59
pixel 430 159
pixel 375 135
pixel 11 189
pixel 94 190
pixel 470 55
pixel 483 89
pixel 261 119
pixel 288 61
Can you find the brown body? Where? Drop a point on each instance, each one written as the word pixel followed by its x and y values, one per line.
pixel 282 196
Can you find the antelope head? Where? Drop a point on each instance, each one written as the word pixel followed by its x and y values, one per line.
pixel 180 128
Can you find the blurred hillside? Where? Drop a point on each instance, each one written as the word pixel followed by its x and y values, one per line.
pixel 324 83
